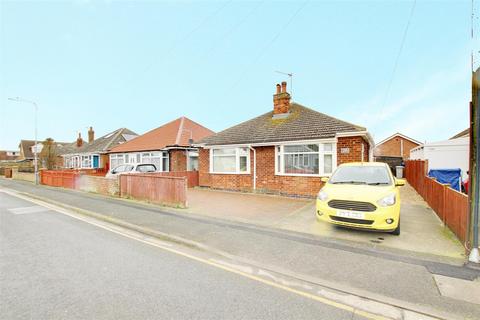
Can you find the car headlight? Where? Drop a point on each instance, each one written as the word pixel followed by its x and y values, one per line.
pixel 322 196
pixel 387 200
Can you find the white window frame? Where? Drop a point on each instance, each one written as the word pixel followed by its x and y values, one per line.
pixel 237 160
pixel 280 167
pixel 133 157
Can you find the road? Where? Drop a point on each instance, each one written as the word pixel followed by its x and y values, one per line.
pixel 53 266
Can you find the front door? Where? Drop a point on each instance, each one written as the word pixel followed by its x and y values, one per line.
pixel 95 161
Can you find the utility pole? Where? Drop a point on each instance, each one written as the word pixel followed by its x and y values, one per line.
pixel 35 151
pixel 475 166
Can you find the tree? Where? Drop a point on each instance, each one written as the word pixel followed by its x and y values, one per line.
pixel 48 155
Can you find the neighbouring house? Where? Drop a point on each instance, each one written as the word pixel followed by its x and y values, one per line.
pixel 169 147
pixel 27 151
pixel 463 134
pixel 284 151
pixel 9 155
pixel 448 154
pixel 397 145
pixel 93 154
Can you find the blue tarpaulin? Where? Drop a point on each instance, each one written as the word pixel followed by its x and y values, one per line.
pixel 451 176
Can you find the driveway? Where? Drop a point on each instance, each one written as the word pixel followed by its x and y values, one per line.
pixel 422 231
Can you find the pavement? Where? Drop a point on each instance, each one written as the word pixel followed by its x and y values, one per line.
pixel 53 266
pixel 423 233
pixel 373 273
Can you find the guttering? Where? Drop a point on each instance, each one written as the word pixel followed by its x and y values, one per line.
pixel 254 167
pixel 268 144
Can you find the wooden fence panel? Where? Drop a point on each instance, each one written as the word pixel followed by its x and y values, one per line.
pixel 155 188
pixel 192 176
pixel 450 205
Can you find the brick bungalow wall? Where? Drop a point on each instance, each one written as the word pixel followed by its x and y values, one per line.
pixel 178 160
pixel 267 181
pixel 392 148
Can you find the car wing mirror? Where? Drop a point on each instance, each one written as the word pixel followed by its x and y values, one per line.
pixel 324 179
pixel 399 182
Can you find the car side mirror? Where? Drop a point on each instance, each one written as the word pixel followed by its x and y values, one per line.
pixel 399 182
pixel 324 179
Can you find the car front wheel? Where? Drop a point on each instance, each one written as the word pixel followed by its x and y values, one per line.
pixel 396 232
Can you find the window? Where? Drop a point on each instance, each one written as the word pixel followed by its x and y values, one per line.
pixel 230 160
pixel 165 161
pixel 86 161
pixel 116 160
pixel 305 159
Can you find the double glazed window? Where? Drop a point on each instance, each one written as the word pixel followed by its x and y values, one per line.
pixel 159 158
pixel 230 160
pixel 305 159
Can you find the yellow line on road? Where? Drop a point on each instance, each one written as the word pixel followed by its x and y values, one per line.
pixel 323 300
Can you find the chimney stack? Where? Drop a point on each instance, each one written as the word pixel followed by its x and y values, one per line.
pixel 91 135
pixel 281 100
pixel 79 140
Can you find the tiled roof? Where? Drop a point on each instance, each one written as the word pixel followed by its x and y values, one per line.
pixel 302 124
pixel 102 144
pixel 174 133
pixel 25 147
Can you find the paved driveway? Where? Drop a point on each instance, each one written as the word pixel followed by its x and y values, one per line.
pixel 422 231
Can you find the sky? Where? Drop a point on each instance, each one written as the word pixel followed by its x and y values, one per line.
pixel 140 64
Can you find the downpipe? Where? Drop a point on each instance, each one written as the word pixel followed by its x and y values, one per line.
pixel 254 167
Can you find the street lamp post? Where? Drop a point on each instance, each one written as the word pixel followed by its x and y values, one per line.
pixel 18 99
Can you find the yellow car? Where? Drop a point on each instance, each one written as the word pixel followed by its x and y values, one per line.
pixel 362 195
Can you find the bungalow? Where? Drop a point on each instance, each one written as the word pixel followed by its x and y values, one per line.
pixel 169 147
pixel 284 151
pixel 27 151
pixel 396 145
pixel 93 155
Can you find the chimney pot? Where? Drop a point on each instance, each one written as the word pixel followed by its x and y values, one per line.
pixel 284 86
pixel 278 88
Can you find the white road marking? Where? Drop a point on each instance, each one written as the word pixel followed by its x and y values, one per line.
pixel 320 296
pixel 27 210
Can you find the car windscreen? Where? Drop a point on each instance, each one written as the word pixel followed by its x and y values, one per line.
pixel 371 175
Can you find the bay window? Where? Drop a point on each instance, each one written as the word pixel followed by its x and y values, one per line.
pixel 230 160
pixel 305 159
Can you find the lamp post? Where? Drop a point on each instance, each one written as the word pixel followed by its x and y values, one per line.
pixel 18 99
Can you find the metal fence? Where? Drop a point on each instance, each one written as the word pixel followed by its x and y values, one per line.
pixel 155 188
pixel 450 205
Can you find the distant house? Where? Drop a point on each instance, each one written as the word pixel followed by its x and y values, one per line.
pixel 9 155
pixel 463 134
pixel 447 154
pixel 284 151
pixel 27 150
pixel 169 147
pixel 94 153
pixel 396 145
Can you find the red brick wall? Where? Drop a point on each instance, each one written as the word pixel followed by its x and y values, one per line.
pixel 392 148
pixel 267 181
pixel 349 149
pixel 178 160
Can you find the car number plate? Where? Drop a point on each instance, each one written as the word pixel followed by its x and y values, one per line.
pixel 350 214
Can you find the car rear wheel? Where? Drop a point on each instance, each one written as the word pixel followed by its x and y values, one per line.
pixel 396 232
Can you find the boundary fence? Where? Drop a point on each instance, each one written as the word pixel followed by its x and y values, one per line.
pixel 450 205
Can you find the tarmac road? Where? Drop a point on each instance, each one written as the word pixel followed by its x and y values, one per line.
pixel 53 266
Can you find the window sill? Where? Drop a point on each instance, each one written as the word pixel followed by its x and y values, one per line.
pixel 303 175
pixel 232 173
